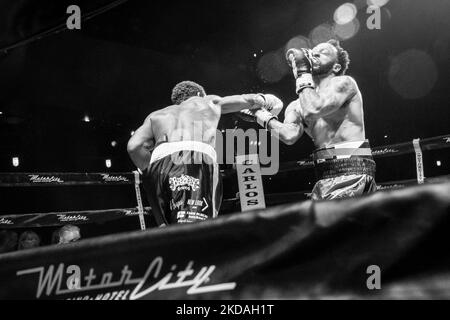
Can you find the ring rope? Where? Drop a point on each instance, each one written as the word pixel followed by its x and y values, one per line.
pixel 417 146
pixel 51 219
pixel 127 178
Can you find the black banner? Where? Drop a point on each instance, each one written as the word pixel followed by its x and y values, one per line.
pixel 65 179
pixel 391 244
pixel 50 219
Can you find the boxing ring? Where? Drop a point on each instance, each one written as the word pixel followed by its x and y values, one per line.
pixel 291 250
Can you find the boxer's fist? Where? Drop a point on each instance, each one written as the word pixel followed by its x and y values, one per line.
pixel 301 61
pixel 261 116
pixel 271 103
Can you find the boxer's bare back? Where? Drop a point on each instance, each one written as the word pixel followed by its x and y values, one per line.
pixel 195 119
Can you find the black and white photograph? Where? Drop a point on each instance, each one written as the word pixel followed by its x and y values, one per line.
pixel 225 156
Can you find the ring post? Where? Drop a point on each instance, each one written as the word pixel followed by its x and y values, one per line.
pixel 137 181
pixel 419 161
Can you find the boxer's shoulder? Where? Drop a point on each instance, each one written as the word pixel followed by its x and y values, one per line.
pixel 345 83
pixel 213 102
pixel 212 96
pixel 200 101
pixel 212 99
pixel 162 113
pixel 166 110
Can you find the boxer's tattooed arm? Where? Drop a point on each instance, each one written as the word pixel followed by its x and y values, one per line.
pixel 140 145
pixel 292 128
pixel 329 99
pixel 237 103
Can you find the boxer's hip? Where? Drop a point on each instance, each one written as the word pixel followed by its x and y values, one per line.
pixel 343 150
pixel 183 182
pixel 344 170
pixel 184 152
pixel 342 167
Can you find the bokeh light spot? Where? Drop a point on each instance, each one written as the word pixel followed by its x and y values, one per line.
pixel 346 31
pixel 321 33
pixel 298 43
pixel 378 3
pixel 345 13
pixel 412 74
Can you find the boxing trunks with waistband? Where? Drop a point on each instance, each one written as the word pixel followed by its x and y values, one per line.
pixel 344 170
pixel 183 182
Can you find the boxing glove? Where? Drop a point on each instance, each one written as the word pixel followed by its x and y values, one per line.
pixel 270 107
pixel 301 61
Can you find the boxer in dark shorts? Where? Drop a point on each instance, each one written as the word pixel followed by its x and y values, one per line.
pixel 175 151
pixel 183 182
pixel 330 110
pixel 344 170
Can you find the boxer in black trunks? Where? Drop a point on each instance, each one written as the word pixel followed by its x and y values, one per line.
pixel 330 111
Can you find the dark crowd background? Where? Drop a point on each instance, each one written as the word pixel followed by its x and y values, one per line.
pixel 70 100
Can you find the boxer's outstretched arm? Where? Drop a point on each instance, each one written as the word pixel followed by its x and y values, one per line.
pixel 140 144
pixel 292 128
pixel 330 99
pixel 237 103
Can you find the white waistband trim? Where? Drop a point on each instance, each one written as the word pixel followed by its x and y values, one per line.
pixel 344 145
pixel 351 144
pixel 167 148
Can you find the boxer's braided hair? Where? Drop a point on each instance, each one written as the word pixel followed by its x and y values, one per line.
pixel 343 57
pixel 185 90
